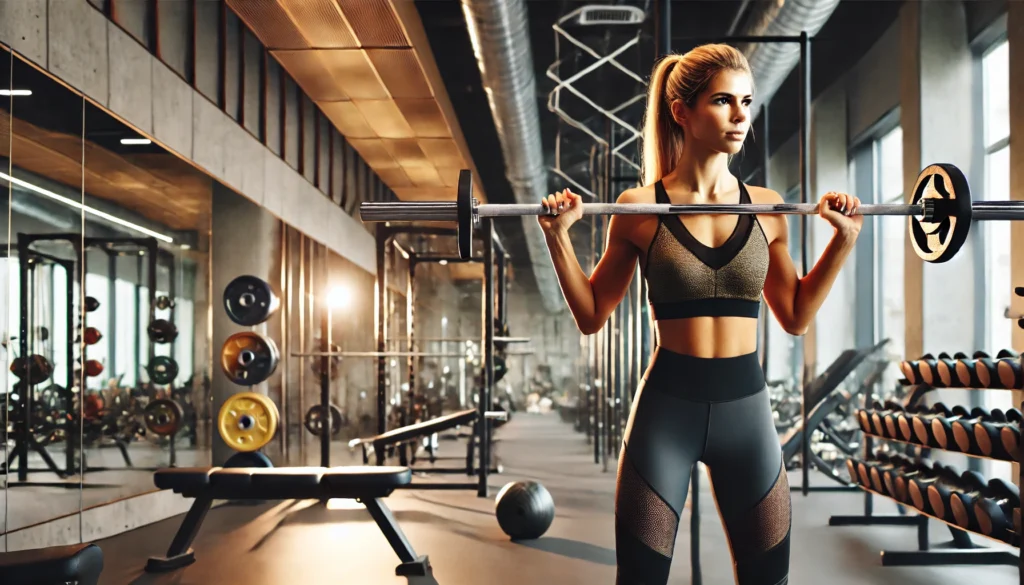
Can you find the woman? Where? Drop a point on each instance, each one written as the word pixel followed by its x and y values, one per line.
pixel 703 398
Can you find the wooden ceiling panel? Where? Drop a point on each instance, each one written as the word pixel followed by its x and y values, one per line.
pixel 374 153
pixel 450 176
pixel 401 73
pixel 425 193
pixel 312 75
pixel 374 23
pixel 270 22
pixel 442 152
pixel 347 118
pixel 321 23
pixel 352 71
pixel 394 178
pixel 407 152
pixel 385 118
pixel 422 175
pixel 425 118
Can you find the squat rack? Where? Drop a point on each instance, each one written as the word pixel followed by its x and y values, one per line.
pixel 494 255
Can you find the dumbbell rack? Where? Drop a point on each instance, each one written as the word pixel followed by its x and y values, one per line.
pixel 963 550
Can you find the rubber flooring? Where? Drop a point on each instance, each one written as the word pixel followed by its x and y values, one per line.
pixel 306 543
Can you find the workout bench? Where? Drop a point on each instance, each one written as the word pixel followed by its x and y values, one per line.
pixel 366 484
pixel 76 563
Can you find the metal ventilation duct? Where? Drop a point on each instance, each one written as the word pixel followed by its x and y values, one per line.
pixel 772 62
pixel 500 35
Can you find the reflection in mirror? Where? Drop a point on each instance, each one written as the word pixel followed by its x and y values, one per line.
pixel 42 165
pixel 147 392
pixel 5 382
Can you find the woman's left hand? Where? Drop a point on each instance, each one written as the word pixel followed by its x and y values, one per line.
pixel 841 210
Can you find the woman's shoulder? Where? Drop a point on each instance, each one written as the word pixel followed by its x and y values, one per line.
pixel 763 195
pixel 639 194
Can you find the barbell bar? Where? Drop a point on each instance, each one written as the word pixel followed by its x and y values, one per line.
pixel 354 354
pixel 939 213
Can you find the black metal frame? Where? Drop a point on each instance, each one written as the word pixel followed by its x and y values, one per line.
pixel 483 429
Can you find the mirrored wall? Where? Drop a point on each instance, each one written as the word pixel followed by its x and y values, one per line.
pixel 104 287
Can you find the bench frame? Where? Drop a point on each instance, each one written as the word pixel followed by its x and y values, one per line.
pixel 180 553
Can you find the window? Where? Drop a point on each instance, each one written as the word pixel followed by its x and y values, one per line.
pixel 98 287
pixel 232 66
pixel 890 236
pixel 207 49
pixel 133 16
pixel 253 61
pixel 173 21
pixel 273 103
pixel 126 334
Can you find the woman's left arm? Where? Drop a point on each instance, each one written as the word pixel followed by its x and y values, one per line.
pixel 793 299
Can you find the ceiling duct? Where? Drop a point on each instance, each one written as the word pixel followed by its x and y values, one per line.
pixel 499 32
pixel 773 62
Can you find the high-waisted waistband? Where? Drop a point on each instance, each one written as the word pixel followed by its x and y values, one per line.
pixel 704 379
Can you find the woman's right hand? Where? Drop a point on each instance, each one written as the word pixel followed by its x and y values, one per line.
pixel 568 209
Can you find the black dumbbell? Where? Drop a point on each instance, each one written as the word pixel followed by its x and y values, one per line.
pixel 904 422
pixel 922 422
pixel 967 370
pixel 918 486
pixel 1008 372
pixel 942 426
pixel 940 492
pixel 988 436
pixel 927 367
pixel 916 371
pixel 963 430
pixel 878 417
pixel 995 514
pixel 877 472
pixel 946 369
pixel 889 418
pixel 864 418
pixel 962 502
pixel 851 468
pixel 880 457
pixel 901 478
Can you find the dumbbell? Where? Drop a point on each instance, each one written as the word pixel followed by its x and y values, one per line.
pixel 851 468
pixel 879 417
pixel 864 417
pixel 941 493
pixel 999 439
pixel 918 486
pixel 963 430
pixel 946 369
pixel 942 426
pixel 999 512
pixel 898 480
pixel 916 371
pixel 967 370
pixel 922 423
pixel 877 472
pixel 1008 372
pixel 880 457
pixel 904 422
pixel 986 369
pixel 927 368
pixel 963 503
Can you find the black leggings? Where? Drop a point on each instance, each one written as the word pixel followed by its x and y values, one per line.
pixel 691 409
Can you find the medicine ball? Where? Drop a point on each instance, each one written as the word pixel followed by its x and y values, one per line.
pixel 525 510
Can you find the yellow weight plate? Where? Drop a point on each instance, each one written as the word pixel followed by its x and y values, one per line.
pixel 248 421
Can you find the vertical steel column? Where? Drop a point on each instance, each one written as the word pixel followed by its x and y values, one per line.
pixel 483 424
pixel 805 194
pixel 381 316
pixel 410 316
pixel 325 375
pixel 766 172
pixel 502 260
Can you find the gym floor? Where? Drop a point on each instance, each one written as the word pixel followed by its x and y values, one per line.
pixel 304 542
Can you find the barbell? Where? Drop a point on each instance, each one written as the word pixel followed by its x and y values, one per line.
pixel 939 213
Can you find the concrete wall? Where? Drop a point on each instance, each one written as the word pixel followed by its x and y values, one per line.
pixel 76 43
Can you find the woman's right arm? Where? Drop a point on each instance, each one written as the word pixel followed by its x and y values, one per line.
pixel 591 299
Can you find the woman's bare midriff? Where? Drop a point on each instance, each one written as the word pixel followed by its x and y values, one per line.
pixel 709 337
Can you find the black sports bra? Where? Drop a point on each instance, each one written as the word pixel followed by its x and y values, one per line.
pixel 686 278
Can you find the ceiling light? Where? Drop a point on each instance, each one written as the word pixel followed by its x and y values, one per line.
pixel 15 92
pixel 136 141
pixel 86 208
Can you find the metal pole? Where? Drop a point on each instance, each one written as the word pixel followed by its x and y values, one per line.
pixel 483 423
pixel 766 169
pixel 805 194
pixel 408 416
pixel 502 288
pixel 382 319
pixel 325 383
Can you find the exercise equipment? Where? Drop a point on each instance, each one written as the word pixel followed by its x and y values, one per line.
pixel 315 417
pixel 35 369
pixel 162 331
pixel 56 565
pixel 524 510
pixel 249 459
pixel 164 302
pixel 368 485
pixel 93 368
pixel 249 300
pixel 91 336
pixel 940 211
pixel 247 421
pixel 91 304
pixel 162 370
pixel 248 358
pixel 164 417
pixel 995 512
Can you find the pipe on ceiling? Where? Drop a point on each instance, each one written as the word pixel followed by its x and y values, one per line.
pixel 772 62
pixel 499 32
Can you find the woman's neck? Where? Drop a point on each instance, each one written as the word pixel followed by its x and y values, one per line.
pixel 705 174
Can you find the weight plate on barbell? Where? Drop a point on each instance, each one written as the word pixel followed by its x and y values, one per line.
pixel 249 300
pixel 162 331
pixel 93 368
pixel 164 417
pixel 91 304
pixel 91 336
pixel 939 241
pixel 315 420
pixel 247 421
pixel 162 370
pixel 35 370
pixel 465 213
pixel 248 358
pixel 164 302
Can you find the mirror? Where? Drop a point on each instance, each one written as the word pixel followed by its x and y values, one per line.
pixel 41 158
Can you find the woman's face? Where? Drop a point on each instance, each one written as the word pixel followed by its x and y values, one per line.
pixel 720 117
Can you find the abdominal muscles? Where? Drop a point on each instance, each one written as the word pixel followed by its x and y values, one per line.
pixel 708 337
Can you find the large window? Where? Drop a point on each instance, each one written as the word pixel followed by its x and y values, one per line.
pixel 890 233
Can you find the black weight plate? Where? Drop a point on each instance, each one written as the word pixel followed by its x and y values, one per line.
pixel 249 300
pixel 940 241
pixel 91 304
pixel 248 358
pixel 162 370
pixel 464 205
pixel 314 420
pixel 162 331
pixel 164 302
pixel 248 459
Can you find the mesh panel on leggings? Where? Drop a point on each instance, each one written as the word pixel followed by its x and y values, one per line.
pixel 766 525
pixel 642 512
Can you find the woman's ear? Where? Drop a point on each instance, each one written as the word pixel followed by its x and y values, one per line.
pixel 678 112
